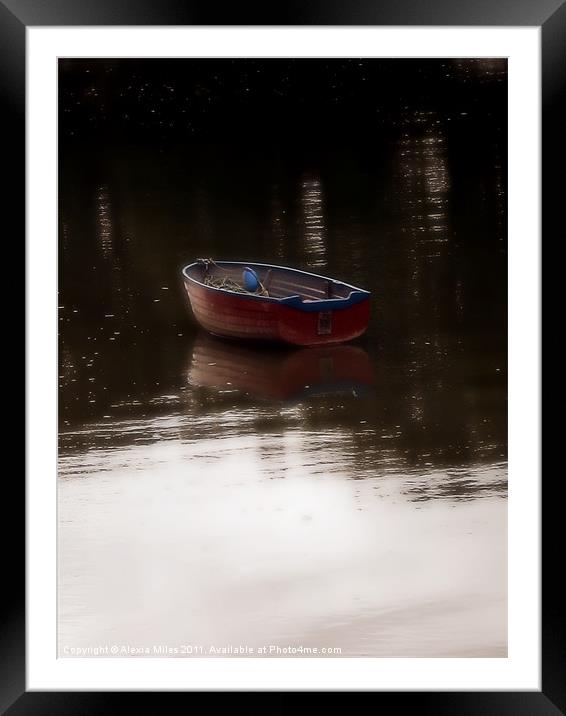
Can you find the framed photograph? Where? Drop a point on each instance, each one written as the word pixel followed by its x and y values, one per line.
pixel 283 353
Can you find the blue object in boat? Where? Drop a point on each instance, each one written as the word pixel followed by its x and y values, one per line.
pixel 251 281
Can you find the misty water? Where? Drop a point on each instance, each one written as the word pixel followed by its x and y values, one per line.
pixel 220 494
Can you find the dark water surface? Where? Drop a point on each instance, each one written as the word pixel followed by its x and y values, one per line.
pixel 213 493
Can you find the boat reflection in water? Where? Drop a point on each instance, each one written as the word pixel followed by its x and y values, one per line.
pixel 279 373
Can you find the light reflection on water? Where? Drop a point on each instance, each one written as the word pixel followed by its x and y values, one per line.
pixel 312 202
pixel 290 446
pixel 104 221
pixel 209 533
pixel 424 184
pixel 278 225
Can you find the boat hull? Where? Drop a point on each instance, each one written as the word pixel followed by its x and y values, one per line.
pixel 241 316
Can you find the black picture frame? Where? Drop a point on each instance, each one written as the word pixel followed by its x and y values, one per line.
pixel 15 16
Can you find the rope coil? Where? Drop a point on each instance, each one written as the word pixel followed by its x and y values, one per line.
pixel 226 283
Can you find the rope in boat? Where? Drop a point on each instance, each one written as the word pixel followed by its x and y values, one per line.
pixel 229 284
pixel 226 283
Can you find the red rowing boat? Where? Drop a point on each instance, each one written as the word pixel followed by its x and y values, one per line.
pixel 274 303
